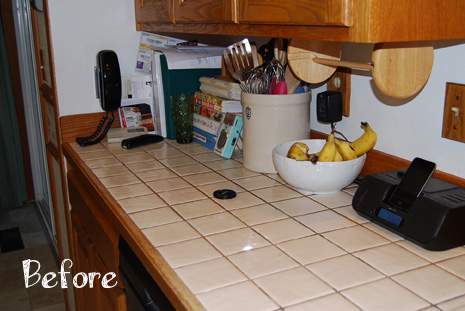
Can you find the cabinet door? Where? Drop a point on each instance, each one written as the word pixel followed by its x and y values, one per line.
pixel 296 12
pixel 154 11
pixel 204 11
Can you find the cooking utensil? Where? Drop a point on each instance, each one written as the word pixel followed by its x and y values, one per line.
pixel 399 70
pixel 240 57
pixel 292 81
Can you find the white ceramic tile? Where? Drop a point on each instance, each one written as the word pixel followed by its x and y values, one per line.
pixel 105 162
pixel 210 188
pixel 433 256
pixel 191 169
pixel 129 191
pixel 204 178
pixel 299 206
pixel 384 295
pixel 110 171
pixel 344 272
pixel 154 217
pixel 276 193
pixel 216 223
pixel 258 214
pixel 142 203
pixel 349 212
pixel 82 150
pixel 207 157
pixel 171 233
pixel 192 148
pixel 188 252
pixel 134 158
pixel 223 164
pixel 242 200
pixel 262 261
pixel 310 249
pixel 293 286
pixel 120 180
pixel 235 173
pixel 455 265
pixel 333 302
pixel 356 238
pixel 198 208
pixel 98 154
pixel 182 196
pixel 144 166
pixel 334 200
pixel 156 174
pixel 168 184
pixel 283 230
pixel 432 283
pixel 244 296
pixel 178 161
pixel 456 304
pixel 391 236
pixel 351 190
pixel 256 182
pixel 236 241
pixel 206 276
pixel 165 153
pixel 391 259
pixel 325 221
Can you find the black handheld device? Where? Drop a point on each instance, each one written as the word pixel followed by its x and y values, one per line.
pixel 108 88
pixel 412 183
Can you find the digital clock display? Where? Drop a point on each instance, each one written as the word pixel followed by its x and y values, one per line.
pixel 389 217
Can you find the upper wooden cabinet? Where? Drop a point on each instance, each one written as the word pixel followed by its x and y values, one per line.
pixel 154 11
pixel 362 21
pixel 295 12
pixel 204 11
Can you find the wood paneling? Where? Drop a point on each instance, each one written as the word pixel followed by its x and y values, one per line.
pixel 204 11
pixel 80 125
pixel 378 162
pixel 300 12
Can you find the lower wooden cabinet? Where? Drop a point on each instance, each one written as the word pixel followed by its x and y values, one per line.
pixel 88 256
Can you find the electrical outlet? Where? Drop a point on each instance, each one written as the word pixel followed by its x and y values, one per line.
pixel 453 126
pixel 341 82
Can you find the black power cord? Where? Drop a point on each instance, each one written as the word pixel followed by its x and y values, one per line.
pixel 100 133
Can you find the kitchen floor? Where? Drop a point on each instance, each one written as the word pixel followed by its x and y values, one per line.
pixel 13 294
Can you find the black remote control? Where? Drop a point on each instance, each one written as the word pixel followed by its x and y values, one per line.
pixel 141 141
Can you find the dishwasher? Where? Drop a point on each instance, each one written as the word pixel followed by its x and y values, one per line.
pixel 142 292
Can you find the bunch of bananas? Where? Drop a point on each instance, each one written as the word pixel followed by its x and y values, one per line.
pixel 336 150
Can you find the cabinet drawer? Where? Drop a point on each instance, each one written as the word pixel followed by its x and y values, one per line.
pixel 296 12
pixel 154 11
pixel 204 11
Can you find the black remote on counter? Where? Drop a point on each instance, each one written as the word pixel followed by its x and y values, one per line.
pixel 141 141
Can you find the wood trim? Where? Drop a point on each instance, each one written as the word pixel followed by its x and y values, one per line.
pixel 6 11
pixel 175 290
pixel 378 161
pixel 79 125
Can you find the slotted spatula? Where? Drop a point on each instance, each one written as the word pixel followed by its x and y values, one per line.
pixel 239 58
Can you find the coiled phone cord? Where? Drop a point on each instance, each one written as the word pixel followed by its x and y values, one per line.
pixel 101 131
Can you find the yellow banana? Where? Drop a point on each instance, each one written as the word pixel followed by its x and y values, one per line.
pixel 299 152
pixel 345 150
pixel 338 157
pixel 366 142
pixel 328 152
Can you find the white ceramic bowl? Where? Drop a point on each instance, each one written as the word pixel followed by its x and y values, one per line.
pixel 320 178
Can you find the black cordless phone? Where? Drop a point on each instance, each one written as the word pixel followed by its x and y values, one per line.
pixel 412 184
pixel 108 86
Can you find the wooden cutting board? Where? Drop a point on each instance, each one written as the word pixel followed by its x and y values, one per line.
pixel 399 70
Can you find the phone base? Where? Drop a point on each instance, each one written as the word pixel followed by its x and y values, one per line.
pixel 434 220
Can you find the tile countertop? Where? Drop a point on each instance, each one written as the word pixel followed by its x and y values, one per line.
pixel 270 248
